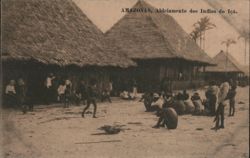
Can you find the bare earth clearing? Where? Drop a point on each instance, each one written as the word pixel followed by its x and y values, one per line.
pixel 55 132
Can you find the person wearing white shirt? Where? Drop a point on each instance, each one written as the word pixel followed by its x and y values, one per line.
pixel 49 91
pixel 10 93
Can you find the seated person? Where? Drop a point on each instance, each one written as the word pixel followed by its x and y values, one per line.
pixel 169 118
pixel 168 100
pixel 196 99
pixel 148 99
pixel 185 95
pixel 182 96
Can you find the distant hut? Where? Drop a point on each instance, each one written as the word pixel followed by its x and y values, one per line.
pixel 227 67
pixel 42 36
pixel 161 48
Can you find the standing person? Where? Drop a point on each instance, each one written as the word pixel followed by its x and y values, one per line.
pixel 10 93
pixel 49 89
pixel 134 89
pixel 91 98
pixel 82 92
pixel 21 94
pixel 61 91
pixel 222 97
pixel 110 88
pixel 231 96
pixel 211 95
pixel 67 96
pixel 23 100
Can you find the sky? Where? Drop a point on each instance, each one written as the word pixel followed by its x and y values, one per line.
pixel 105 13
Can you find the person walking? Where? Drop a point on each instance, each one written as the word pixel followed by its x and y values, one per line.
pixel 91 98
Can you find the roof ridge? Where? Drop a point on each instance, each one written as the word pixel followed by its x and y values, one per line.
pixel 164 38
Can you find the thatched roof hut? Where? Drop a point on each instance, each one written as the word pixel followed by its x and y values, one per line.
pixel 147 35
pixel 54 32
pixel 225 64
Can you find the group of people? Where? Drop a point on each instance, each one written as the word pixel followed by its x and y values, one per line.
pixel 16 95
pixel 213 105
pixel 83 93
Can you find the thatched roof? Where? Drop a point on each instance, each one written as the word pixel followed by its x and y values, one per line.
pixel 145 35
pixel 54 32
pixel 224 64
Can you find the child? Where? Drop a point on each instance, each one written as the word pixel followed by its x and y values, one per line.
pixel 67 96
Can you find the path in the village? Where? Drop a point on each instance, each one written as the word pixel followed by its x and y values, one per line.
pixel 51 132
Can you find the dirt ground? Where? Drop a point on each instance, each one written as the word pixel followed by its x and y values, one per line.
pixel 55 132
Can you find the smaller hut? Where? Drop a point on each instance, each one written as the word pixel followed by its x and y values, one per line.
pixel 227 67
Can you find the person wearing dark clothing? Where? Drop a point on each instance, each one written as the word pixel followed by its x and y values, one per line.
pixel 168 117
pixel 185 95
pixel 197 101
pixel 67 96
pixel 231 96
pixel 211 95
pixel 182 96
pixel 91 99
pixel 148 99
pixel 82 92
pixel 24 101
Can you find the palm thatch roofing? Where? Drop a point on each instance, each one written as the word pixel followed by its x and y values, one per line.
pixel 54 32
pixel 146 35
pixel 225 63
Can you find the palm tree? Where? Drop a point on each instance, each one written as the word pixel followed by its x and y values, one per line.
pixel 195 34
pixel 228 42
pixel 204 24
pixel 245 35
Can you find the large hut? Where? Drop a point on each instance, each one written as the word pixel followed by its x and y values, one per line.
pixel 161 48
pixel 227 67
pixel 42 36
